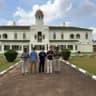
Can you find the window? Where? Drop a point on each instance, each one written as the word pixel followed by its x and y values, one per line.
pixel 16 47
pixel 24 36
pixel 70 47
pixel 5 36
pixel 62 36
pixel 72 36
pixel 35 36
pixel 86 35
pixel 39 36
pixel 15 36
pixel 39 17
pixel 43 36
pixel 6 47
pixel 39 47
pixel 54 36
pixel 0 36
pixel 76 47
pixel 0 47
pixel 78 36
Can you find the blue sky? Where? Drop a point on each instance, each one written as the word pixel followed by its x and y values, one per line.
pixel 80 13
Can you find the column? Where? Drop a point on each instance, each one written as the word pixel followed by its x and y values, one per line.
pixel 10 46
pixel 46 47
pixel 30 47
pixel 2 48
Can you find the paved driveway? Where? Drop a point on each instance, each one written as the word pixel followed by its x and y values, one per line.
pixel 68 83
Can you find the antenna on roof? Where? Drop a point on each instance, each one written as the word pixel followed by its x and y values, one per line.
pixel 14 23
pixel 39 6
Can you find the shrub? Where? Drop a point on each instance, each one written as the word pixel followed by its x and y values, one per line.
pixel 66 54
pixel 10 55
pixel 78 52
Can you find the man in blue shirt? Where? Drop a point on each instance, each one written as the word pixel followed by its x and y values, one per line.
pixel 33 61
pixel 42 58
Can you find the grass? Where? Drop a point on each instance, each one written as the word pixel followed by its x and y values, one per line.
pixel 87 63
pixel 4 64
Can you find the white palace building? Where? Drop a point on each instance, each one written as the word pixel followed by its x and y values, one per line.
pixel 38 35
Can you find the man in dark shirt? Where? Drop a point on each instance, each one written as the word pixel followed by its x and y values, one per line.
pixel 42 58
pixel 50 56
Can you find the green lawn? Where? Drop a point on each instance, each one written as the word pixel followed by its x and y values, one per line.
pixel 87 63
pixel 4 64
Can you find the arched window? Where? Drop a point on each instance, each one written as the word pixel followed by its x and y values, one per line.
pixel 54 36
pixel 39 17
pixel 86 35
pixel 78 36
pixel 5 36
pixel 62 36
pixel 24 36
pixel 72 36
pixel 39 36
pixel 15 36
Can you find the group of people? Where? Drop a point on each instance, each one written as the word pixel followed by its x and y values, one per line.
pixel 40 62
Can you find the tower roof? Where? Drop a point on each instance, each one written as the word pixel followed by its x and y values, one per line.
pixel 39 13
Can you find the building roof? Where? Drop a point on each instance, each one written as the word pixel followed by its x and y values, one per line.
pixel 63 40
pixel 68 28
pixel 14 27
pixel 25 41
pixel 17 27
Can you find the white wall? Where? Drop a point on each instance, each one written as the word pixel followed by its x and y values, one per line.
pixel 11 33
pixel 83 44
pixel 34 31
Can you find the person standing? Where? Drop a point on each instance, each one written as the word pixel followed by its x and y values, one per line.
pixel 50 56
pixel 56 60
pixel 42 58
pixel 33 61
pixel 25 57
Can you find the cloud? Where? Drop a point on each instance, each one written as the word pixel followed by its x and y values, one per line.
pixel 94 31
pixel 56 9
pixel 52 10
pixel 85 8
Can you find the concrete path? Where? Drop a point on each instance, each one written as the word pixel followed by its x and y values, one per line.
pixel 67 83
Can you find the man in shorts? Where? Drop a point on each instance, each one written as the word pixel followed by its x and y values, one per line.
pixel 33 61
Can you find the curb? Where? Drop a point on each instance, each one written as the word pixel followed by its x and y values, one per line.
pixel 80 69
pixel 10 68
